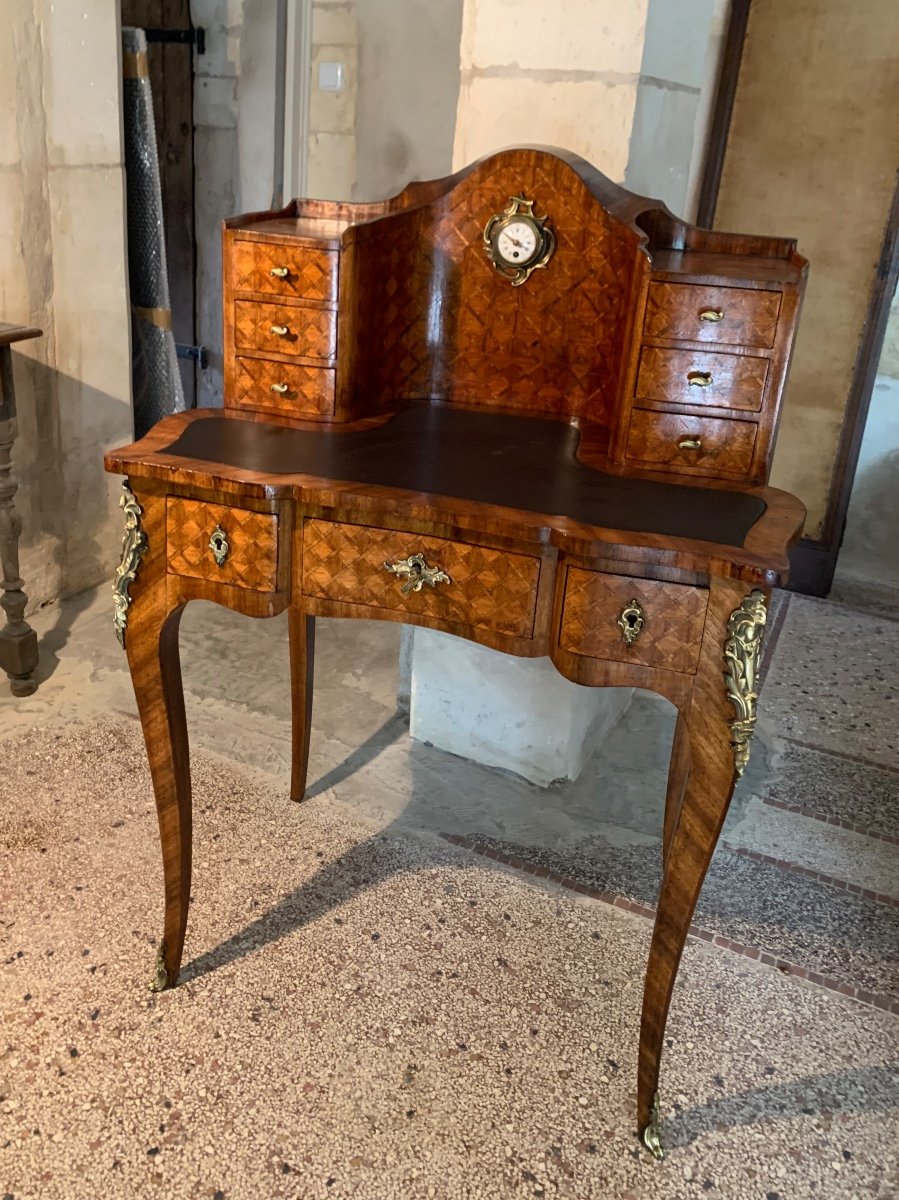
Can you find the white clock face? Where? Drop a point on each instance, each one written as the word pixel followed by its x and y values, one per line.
pixel 517 243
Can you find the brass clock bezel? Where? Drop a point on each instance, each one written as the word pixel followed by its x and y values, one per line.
pixel 519 209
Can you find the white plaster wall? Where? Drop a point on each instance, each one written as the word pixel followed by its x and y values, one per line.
pixel 63 268
pixel 331 158
pixel 234 149
pixel 678 77
pixel 870 547
pixel 408 90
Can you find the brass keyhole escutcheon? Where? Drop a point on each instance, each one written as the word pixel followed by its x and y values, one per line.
pixel 417 573
pixel 219 546
pixel 631 622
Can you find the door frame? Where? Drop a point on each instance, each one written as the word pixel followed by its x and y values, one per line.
pixel 813 561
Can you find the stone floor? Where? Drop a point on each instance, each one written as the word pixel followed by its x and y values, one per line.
pixel 799 915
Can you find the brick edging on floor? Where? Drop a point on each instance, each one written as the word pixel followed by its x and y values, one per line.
pixel 866 830
pixel 697 933
pixel 811 873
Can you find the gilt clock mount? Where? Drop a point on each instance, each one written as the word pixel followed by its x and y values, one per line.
pixel 517 241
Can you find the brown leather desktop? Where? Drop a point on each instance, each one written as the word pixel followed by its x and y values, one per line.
pixel 520 405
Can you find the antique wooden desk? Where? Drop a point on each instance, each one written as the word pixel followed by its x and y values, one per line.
pixel 422 426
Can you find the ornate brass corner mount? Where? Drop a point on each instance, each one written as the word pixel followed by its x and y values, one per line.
pixel 134 546
pixel 159 980
pixel 631 622
pixel 219 545
pixel 417 573
pixel 652 1135
pixel 742 651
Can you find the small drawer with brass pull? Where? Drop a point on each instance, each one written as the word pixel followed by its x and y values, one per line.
pixel 266 385
pixel 698 313
pixel 280 269
pixel 646 622
pixel 447 583
pixel 701 378
pixel 697 445
pixel 298 330
pixel 215 542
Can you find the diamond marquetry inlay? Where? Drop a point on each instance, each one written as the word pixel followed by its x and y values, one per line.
pixel 252 559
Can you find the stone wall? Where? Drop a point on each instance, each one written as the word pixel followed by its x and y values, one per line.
pixel 62 268
pixel 563 74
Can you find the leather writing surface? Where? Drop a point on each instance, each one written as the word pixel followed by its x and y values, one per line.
pixel 517 462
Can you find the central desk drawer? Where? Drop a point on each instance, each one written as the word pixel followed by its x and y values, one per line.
pixel 487 588
pixel 221 543
pixel 596 606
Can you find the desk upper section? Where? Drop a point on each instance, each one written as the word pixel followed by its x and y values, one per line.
pixel 673 340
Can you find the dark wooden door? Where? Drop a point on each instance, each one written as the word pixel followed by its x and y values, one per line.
pixel 171 66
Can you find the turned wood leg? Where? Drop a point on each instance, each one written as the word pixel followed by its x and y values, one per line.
pixel 18 641
pixel 301 632
pixel 704 742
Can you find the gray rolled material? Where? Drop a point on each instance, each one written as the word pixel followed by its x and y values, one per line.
pixel 156 380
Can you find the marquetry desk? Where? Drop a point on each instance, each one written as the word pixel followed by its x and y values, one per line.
pixel 519 405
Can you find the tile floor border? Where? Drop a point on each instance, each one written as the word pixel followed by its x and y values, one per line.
pixel 697 933
pixel 801 811
pixel 818 876
pixel 856 758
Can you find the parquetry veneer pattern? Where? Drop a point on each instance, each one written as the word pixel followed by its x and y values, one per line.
pixel 383 386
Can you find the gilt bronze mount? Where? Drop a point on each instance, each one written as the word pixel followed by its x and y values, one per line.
pixel 742 652
pixel 417 573
pixel 134 546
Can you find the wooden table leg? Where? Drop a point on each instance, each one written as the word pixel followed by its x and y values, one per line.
pixel 301 633
pixel 704 739
pixel 18 641
pixel 151 641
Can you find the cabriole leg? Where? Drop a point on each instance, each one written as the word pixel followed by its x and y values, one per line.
pixel 704 744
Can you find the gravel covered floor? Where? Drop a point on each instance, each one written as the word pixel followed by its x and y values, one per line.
pixel 380 1015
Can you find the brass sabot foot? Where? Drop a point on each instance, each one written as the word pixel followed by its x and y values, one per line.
pixel 159 980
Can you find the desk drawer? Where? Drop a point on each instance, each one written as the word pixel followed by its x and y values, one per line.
pixel 673 617
pixel 260 266
pixel 695 313
pixel 249 551
pixel 304 332
pixel 708 445
pixel 487 588
pixel 262 384
pixel 696 377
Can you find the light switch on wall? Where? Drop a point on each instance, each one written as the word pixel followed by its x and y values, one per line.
pixel 330 76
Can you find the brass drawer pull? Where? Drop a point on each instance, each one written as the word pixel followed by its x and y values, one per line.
pixel 280 330
pixel 281 388
pixel 219 546
pixel 690 443
pixel 417 573
pixel 631 622
pixel 700 379
pixel 280 272
pixel 711 314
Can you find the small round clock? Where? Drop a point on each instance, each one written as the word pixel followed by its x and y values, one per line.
pixel 517 241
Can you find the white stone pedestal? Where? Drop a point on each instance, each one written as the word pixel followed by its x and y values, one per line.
pixel 515 713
